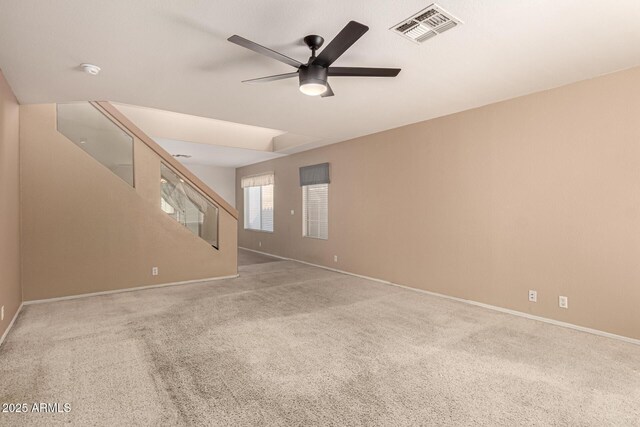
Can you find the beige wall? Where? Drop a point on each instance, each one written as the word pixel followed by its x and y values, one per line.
pixel 223 179
pixel 10 291
pixel 86 230
pixel 539 192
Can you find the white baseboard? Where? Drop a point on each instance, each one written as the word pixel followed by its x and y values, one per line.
pixel 466 301
pixel 117 291
pixel 6 332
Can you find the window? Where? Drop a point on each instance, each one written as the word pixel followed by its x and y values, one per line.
pixel 314 181
pixel 258 202
pixel 315 211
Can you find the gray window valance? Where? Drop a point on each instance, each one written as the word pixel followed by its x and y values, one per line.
pixel 314 174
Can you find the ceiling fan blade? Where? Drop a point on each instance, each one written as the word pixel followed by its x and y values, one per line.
pixel 343 41
pixel 272 78
pixel 328 92
pixel 241 41
pixel 363 72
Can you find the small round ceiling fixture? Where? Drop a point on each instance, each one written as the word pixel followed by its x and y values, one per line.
pixel 90 69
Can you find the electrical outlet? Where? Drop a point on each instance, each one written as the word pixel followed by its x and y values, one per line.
pixel 154 271
pixel 292 212
pixel 259 244
pixel 533 295
pixel 2 313
pixel 563 301
pixel 335 258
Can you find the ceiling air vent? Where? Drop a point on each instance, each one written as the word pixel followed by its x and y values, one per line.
pixel 426 24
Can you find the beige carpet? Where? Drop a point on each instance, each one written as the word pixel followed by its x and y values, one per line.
pixel 248 258
pixel 290 344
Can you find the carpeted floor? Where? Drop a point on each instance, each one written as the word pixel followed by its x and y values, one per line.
pixel 248 258
pixel 290 344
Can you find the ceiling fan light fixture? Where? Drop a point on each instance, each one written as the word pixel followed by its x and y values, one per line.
pixel 313 89
pixel 313 80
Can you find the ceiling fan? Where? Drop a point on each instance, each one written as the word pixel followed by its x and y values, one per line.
pixel 314 74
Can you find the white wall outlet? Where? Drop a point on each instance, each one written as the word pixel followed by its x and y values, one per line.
pixel 292 212
pixel 533 295
pixel 154 271
pixel 2 313
pixel 259 244
pixel 563 301
pixel 335 258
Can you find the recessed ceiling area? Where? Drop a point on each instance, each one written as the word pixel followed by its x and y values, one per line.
pixel 182 61
pixel 214 155
pixel 204 141
pixel 184 127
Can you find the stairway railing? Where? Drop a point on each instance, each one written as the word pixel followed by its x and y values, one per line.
pixel 108 136
pixel 114 114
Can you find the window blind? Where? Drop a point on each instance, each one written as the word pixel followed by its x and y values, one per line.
pixel 266 208
pixel 315 211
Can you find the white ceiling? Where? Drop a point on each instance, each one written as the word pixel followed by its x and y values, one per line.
pixel 184 127
pixel 214 155
pixel 174 56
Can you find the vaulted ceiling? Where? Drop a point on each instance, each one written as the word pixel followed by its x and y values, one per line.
pixel 173 55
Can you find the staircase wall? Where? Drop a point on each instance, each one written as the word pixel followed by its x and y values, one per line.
pixel 85 230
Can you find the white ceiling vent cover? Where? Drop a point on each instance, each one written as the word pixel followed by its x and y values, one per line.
pixel 427 23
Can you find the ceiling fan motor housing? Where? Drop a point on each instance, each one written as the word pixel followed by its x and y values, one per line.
pixel 313 74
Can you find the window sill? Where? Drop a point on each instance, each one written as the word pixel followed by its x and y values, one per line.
pixel 315 238
pixel 258 231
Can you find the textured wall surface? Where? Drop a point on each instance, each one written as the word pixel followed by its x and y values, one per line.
pixel 538 192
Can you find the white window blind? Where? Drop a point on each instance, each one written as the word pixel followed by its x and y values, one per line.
pixel 315 211
pixel 258 207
